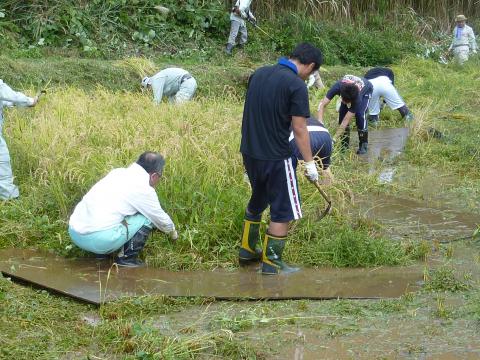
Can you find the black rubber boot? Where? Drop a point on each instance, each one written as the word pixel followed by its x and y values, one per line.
pixel 272 263
pixel 373 120
pixel 128 255
pixel 362 142
pixel 406 113
pixel 101 257
pixel 228 49
pixel 345 140
pixel 249 250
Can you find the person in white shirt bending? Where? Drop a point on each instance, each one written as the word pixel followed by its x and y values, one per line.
pixel 119 212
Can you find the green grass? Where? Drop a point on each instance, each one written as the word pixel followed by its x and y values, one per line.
pixel 94 119
pixel 103 127
pixel 202 189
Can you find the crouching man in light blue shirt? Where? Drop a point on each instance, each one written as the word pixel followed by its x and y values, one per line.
pixel 119 212
pixel 175 83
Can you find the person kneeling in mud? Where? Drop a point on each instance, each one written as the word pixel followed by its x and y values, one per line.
pixel 355 95
pixel 383 80
pixel 321 145
pixel 119 212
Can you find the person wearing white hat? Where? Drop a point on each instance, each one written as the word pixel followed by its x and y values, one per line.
pixel 463 40
pixel 9 97
pixel 175 83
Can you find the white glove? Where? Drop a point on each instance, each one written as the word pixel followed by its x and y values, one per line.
pixel 246 178
pixel 311 171
pixel 310 82
pixel 173 235
pixel 474 51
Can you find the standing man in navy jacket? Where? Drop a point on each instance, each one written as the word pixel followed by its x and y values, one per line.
pixel 276 99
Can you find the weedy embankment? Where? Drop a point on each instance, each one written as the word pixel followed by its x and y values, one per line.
pixel 64 145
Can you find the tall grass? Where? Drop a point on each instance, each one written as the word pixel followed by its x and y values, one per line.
pixel 443 11
pixel 71 140
pixel 74 137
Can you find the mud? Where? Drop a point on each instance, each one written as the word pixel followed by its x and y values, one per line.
pixel 95 282
pixel 384 144
pixel 415 219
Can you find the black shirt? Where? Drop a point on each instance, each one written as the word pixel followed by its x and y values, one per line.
pixel 380 71
pixel 335 90
pixel 320 142
pixel 275 94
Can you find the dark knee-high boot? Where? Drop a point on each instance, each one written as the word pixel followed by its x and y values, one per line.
pixel 128 255
pixel 373 120
pixel 406 113
pixel 362 142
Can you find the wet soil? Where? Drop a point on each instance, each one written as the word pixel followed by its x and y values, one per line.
pixel 97 282
pixel 423 325
pixel 403 218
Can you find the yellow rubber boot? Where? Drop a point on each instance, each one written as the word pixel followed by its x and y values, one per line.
pixel 249 251
pixel 272 263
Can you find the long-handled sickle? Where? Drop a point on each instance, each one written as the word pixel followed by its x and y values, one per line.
pixel 254 24
pixel 326 198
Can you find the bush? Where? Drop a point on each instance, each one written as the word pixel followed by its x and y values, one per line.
pixel 192 28
pixel 351 43
pixel 105 27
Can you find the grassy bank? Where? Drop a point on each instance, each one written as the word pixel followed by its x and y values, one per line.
pixel 94 119
pixel 105 123
pixel 198 29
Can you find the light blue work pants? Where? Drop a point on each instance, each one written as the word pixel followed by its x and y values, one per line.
pixel 110 240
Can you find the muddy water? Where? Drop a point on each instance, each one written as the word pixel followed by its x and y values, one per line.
pixel 416 219
pixel 89 281
pixel 385 144
pixel 406 217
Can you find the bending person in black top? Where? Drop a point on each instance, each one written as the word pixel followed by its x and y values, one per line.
pixel 355 93
pixel 383 80
pixel 321 145
pixel 276 99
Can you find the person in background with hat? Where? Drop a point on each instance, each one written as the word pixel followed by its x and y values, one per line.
pixel 463 40
pixel 176 83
